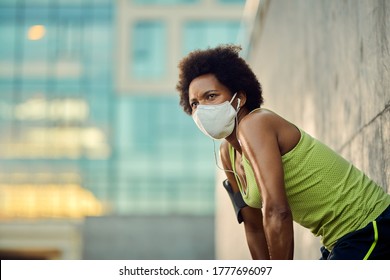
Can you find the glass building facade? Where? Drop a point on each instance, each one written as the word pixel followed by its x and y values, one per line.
pixel 71 143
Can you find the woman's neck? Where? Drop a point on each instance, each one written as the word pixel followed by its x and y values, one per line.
pixel 233 138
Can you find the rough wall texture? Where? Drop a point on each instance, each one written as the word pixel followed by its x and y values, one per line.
pixel 325 66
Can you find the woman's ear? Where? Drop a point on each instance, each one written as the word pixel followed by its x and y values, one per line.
pixel 241 98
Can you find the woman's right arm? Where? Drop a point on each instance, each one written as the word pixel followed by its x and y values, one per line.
pixel 252 217
pixel 254 231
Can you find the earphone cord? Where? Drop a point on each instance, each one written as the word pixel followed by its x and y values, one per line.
pixel 227 170
pixel 215 154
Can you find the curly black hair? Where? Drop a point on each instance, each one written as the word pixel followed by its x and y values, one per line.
pixel 227 66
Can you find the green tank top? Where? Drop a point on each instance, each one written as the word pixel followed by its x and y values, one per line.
pixel 326 193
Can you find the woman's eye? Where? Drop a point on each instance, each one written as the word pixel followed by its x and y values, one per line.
pixel 194 105
pixel 211 96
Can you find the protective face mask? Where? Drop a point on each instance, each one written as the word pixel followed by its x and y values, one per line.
pixel 216 121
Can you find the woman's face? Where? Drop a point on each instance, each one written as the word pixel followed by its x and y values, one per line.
pixel 207 90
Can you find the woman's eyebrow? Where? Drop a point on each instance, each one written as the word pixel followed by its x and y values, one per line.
pixel 204 93
pixel 209 91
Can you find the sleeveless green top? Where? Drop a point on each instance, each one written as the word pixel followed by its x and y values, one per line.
pixel 326 193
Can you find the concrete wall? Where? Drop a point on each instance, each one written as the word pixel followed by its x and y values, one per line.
pixel 140 237
pixel 41 239
pixel 149 238
pixel 325 66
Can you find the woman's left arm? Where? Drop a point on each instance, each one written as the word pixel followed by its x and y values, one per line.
pixel 258 134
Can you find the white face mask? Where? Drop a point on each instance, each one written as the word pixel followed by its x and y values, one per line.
pixel 216 121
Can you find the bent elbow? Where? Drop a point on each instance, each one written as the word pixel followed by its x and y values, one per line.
pixel 278 213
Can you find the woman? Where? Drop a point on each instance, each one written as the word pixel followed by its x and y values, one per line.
pixel 281 172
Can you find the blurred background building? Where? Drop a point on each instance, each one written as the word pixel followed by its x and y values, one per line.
pixel 97 159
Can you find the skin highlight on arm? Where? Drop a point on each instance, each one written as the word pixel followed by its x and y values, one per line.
pixel 252 218
pixel 258 133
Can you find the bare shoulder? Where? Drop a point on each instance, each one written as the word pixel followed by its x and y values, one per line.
pixel 261 119
pixel 263 123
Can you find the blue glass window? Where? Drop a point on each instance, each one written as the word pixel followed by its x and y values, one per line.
pixel 165 2
pixel 241 2
pixel 139 153
pixel 149 50
pixel 203 34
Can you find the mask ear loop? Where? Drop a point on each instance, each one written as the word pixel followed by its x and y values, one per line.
pixel 215 154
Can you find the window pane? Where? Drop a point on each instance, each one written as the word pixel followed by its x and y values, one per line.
pixel 164 2
pixel 203 34
pixel 241 2
pixel 148 57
